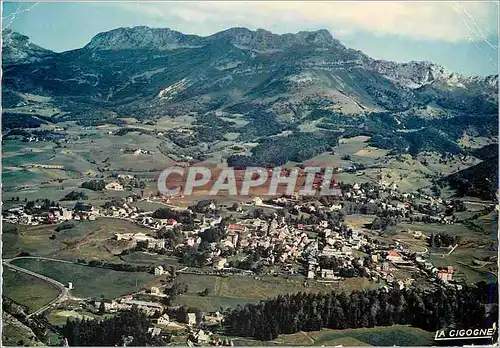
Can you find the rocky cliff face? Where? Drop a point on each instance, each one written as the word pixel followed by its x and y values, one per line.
pixel 263 40
pixel 142 38
pixel 418 74
pixel 17 48
pixel 164 39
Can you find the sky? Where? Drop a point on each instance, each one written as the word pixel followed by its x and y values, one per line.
pixel 461 36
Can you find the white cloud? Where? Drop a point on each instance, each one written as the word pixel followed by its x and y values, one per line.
pixel 443 21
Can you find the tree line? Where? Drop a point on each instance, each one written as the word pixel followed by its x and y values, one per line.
pixel 129 328
pixel 442 240
pixel 475 306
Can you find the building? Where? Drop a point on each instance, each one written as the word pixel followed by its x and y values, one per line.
pixel 446 275
pixel 190 319
pixel 114 186
pixel 236 228
pixel 106 306
pixel 232 237
pixel 257 201
pixel 384 267
pixel 26 219
pixel 327 274
pixel 83 208
pixel 156 243
pixel 154 331
pixel 200 337
pixel 164 320
pixel 159 271
pixel 155 290
pixel 146 306
pixel 393 256
pixel 66 214
pixel 213 319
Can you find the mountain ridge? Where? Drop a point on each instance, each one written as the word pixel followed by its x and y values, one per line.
pixel 166 38
pixel 17 48
pixel 294 95
pixel 165 68
pixel 252 39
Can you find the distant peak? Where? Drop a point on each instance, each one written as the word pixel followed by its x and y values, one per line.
pixel 262 39
pixel 17 48
pixel 141 37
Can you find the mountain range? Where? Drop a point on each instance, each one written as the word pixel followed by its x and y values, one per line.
pixel 294 95
pixel 165 69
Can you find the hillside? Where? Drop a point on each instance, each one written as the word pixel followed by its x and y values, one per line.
pixel 253 85
pixel 130 68
pixel 480 180
pixel 17 48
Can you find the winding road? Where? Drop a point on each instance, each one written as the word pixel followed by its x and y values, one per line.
pixel 63 295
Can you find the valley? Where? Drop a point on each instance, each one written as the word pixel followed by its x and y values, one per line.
pixel 87 132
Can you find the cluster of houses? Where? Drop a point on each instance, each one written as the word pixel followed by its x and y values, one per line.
pixel 404 259
pixel 198 326
pixel 152 243
pixel 19 215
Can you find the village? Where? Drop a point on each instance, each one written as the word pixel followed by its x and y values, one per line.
pixel 304 238
pixel 281 241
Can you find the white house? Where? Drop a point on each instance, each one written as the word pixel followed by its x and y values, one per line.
pixel 327 274
pixel 190 319
pixel 154 331
pixel 114 186
pixel 257 201
pixel 164 320
pixel 159 271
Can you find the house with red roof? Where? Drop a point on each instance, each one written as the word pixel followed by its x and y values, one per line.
pixel 236 228
pixel 394 256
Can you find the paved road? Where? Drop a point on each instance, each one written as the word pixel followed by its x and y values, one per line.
pixel 37 258
pixel 64 291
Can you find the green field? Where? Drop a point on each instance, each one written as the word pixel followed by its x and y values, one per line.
pixel 145 258
pixel 59 317
pixel 231 291
pixel 380 336
pixel 27 290
pixel 87 239
pixel 89 281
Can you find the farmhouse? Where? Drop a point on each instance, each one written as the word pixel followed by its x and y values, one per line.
pixel 148 307
pixel 236 228
pixel 327 274
pixel 446 275
pixel 164 320
pixel 159 271
pixel 393 256
pixel 257 201
pixel 114 186
pixel 190 319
